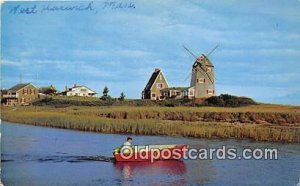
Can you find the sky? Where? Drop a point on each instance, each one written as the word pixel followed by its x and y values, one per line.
pixel 105 44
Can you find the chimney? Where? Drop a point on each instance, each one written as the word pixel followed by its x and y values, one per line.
pixel 156 70
pixel 66 88
pixel 75 85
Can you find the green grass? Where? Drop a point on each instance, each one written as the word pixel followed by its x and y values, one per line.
pixel 153 121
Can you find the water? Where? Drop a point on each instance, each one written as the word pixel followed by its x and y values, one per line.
pixel 45 156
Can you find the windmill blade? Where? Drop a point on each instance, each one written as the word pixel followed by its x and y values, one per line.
pixel 189 52
pixel 209 78
pixel 206 74
pixel 187 77
pixel 214 77
pixel 212 50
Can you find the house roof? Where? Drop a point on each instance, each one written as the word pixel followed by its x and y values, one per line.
pixel 18 86
pixel 78 86
pixel 176 88
pixel 152 79
pixel 51 86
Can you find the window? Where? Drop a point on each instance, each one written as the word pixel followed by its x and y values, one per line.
pixel 201 80
pixel 153 95
pixel 210 91
pixel 191 92
pixel 83 90
pixel 159 85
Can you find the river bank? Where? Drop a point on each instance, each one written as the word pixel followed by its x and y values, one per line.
pixel 259 122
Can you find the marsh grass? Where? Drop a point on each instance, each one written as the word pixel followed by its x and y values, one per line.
pixel 91 119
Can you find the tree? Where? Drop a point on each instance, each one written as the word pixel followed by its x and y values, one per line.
pixel 49 91
pixel 122 96
pixel 105 93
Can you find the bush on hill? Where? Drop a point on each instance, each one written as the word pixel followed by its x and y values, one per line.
pixel 223 100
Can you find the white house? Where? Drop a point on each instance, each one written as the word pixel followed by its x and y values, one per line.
pixel 79 90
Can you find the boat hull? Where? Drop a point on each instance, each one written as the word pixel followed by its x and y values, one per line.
pixel 152 153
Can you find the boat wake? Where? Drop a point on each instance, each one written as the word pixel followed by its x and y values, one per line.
pixel 55 159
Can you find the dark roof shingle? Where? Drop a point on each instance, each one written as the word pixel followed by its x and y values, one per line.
pixel 18 87
pixel 152 79
pixel 176 88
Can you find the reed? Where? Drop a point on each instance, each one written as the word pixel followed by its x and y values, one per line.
pixel 92 119
pixel 253 114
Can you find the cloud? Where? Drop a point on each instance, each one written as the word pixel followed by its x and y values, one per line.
pixel 124 53
pixel 11 63
pixel 258 45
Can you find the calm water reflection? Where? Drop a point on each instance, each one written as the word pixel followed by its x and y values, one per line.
pixel 44 156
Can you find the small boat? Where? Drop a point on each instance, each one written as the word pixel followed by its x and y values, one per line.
pixel 150 153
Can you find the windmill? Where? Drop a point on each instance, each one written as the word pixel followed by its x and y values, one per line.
pixel 202 76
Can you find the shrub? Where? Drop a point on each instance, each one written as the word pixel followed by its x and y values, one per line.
pixel 225 100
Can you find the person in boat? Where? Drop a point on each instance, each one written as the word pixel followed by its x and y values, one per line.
pixel 127 146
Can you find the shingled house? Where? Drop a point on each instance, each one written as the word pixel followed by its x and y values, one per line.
pixel 156 83
pixel 20 94
pixel 157 88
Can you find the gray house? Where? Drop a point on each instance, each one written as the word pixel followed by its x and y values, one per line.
pixel 156 83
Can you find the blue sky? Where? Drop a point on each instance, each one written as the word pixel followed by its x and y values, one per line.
pixel 258 54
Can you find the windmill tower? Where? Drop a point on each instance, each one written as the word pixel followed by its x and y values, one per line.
pixel 203 78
